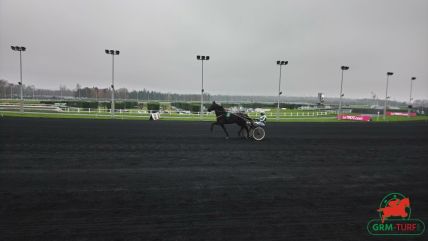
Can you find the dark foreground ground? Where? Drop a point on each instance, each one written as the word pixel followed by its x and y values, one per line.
pixel 136 180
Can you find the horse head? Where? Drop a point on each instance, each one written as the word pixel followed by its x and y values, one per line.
pixel 405 202
pixel 216 107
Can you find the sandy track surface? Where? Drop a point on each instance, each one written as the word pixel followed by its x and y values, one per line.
pixel 140 180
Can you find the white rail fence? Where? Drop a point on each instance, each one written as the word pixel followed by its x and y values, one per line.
pixel 51 109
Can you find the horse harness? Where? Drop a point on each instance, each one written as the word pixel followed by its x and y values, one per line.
pixel 227 115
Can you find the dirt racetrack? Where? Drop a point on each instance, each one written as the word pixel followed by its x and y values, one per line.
pixel 162 180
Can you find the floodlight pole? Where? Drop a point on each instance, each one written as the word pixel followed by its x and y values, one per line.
pixel 386 94
pixel 20 82
pixel 279 92
pixel 20 49
pixel 113 53
pixel 112 85
pixel 202 88
pixel 411 92
pixel 202 58
pixel 343 68
pixel 280 63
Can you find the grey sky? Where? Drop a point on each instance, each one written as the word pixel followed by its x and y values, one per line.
pixel 159 41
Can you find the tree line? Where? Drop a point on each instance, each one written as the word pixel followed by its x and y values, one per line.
pixel 12 91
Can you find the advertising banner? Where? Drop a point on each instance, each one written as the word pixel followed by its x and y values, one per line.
pixel 355 117
pixel 411 114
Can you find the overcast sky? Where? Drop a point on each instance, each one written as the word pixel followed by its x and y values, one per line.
pixel 159 41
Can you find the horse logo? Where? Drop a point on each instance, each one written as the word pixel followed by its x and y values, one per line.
pixel 394 205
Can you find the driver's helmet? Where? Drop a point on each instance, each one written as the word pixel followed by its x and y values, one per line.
pixel 262 113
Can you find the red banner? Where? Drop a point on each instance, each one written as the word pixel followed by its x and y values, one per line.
pixel 355 117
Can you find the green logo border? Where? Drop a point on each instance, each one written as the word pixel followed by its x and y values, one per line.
pixel 396 234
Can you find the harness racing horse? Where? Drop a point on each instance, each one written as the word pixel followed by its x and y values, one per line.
pixel 224 117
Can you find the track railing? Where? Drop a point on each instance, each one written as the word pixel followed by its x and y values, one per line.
pixel 141 113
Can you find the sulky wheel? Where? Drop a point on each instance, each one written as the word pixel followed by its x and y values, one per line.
pixel 258 133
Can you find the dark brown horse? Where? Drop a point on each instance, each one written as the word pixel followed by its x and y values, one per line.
pixel 223 117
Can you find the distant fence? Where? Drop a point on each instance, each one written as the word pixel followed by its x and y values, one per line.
pixel 139 113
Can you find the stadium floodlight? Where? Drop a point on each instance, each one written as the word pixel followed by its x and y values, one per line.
pixel 280 63
pixel 343 68
pixel 386 94
pixel 202 58
pixel 113 53
pixel 20 49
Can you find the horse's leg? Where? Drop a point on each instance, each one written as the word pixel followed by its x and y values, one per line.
pixel 248 131
pixel 240 130
pixel 225 131
pixel 212 126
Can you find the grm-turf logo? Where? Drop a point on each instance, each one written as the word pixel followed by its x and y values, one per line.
pixel 394 217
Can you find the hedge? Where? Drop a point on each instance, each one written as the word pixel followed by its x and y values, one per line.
pixel 153 106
